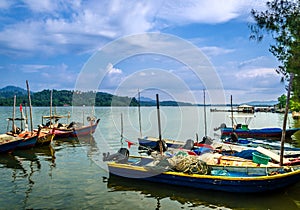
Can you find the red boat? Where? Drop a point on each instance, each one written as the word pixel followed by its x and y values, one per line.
pixel 74 130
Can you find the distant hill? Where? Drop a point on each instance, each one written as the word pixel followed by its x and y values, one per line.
pixel 145 99
pixel 65 98
pixel 262 103
pixel 10 91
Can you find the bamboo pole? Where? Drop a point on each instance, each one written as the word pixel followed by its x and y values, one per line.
pixel 51 92
pixel 205 123
pixel 159 127
pixel 285 118
pixel 232 124
pixel 121 127
pixel 30 107
pixel 140 118
pixel 21 116
pixel 14 116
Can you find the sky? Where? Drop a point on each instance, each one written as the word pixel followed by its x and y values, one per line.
pixel 154 46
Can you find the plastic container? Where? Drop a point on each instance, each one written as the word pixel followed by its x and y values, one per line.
pixel 260 158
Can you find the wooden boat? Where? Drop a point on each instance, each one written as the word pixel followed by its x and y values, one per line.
pixel 152 143
pixel 267 144
pixel 74 130
pixel 221 178
pixel 242 130
pixel 29 140
pixel 8 142
pixel 290 156
pixel 44 138
pixel 261 133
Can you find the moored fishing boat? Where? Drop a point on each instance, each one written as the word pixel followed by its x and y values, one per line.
pixel 152 144
pixel 8 142
pixel 240 126
pixel 221 178
pixel 74 130
pixel 44 138
pixel 66 130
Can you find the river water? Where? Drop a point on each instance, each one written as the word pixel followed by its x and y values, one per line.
pixel 70 174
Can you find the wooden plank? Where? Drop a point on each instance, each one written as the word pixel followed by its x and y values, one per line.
pixel 271 155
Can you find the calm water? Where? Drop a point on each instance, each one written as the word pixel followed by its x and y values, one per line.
pixel 70 174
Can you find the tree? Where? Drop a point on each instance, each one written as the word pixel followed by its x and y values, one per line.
pixel 282 101
pixel 282 21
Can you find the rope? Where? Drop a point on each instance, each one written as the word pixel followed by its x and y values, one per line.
pixel 189 164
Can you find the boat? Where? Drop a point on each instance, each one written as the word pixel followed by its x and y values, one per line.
pixel 275 146
pixel 207 171
pixel 8 142
pixel 239 179
pixel 152 143
pixel 290 156
pixel 73 130
pixel 29 139
pixel 242 130
pixel 67 130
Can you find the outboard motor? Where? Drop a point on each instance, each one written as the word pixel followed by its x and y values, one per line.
pixel 121 156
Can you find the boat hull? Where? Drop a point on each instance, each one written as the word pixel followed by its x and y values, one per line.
pixel 9 145
pixel 28 142
pixel 74 132
pixel 264 133
pixel 208 182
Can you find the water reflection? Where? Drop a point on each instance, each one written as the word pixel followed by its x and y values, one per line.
pixel 24 165
pixel 195 198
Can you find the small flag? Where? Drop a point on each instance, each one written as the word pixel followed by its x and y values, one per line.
pixel 129 143
pixel 21 108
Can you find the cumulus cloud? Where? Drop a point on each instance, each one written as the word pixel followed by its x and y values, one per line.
pixel 213 11
pixel 111 70
pixel 58 27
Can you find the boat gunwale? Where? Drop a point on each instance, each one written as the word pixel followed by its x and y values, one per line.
pixel 202 176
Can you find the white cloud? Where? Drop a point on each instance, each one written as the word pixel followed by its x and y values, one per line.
pixel 214 51
pixel 255 73
pixel 58 27
pixel 40 6
pixel 213 11
pixel 111 70
pixel 33 68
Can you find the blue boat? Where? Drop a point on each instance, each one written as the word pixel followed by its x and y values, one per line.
pixel 262 133
pixel 220 178
pixel 29 139
pixel 9 143
pixel 241 128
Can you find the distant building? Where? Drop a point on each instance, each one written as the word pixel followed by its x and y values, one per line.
pixel 245 108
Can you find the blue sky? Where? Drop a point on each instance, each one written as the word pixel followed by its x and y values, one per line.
pixel 49 42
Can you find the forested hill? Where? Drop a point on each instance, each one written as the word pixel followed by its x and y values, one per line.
pixel 69 98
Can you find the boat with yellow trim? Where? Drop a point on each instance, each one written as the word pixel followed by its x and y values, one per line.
pixel 198 174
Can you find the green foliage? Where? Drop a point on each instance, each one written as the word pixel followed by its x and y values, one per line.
pixel 282 21
pixel 74 98
pixel 69 98
pixel 294 106
pixel 282 101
